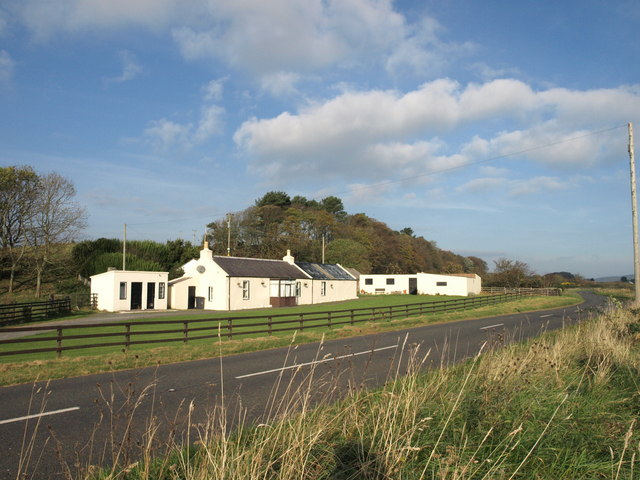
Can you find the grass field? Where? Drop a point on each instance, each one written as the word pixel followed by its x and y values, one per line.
pixel 27 368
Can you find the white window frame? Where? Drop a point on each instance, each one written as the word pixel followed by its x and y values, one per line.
pixel 298 289
pixel 123 291
pixel 323 289
pixel 210 294
pixel 161 290
pixel 246 294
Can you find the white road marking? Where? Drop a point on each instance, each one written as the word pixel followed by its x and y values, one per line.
pixel 324 360
pixel 38 415
pixel 492 326
pixel 545 316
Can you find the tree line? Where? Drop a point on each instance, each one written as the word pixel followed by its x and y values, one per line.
pixel 277 222
pixel 38 214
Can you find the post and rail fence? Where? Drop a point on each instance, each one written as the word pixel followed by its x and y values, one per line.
pixel 546 292
pixel 15 313
pixel 61 338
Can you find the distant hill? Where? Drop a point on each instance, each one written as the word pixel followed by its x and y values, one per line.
pixel 614 279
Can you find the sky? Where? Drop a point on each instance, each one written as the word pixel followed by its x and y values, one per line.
pixel 494 128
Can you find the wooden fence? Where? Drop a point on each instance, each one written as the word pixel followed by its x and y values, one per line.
pixel 60 338
pixel 33 311
pixel 547 292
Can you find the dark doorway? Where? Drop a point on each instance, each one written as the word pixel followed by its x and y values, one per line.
pixel 191 299
pixel 413 286
pixel 136 295
pixel 151 295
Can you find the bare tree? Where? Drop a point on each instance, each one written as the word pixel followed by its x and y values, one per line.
pixel 18 190
pixel 57 220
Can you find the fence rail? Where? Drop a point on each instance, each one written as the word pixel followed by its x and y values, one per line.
pixel 61 338
pixel 547 292
pixel 33 311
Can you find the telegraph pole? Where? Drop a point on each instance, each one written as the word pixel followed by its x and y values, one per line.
pixel 124 249
pixel 228 234
pixel 634 214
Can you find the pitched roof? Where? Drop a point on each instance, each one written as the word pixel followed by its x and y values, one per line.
pixel 324 271
pixel 257 267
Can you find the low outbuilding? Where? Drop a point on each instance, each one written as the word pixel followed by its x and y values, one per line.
pixel 118 290
pixel 463 284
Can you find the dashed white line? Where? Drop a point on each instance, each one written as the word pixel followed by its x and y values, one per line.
pixel 38 415
pixel 545 316
pixel 324 360
pixel 492 326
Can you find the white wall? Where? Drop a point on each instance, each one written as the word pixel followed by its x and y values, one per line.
pixel 427 284
pixel 107 286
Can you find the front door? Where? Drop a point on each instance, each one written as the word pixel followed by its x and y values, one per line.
pixel 136 295
pixel 191 299
pixel 413 286
pixel 151 295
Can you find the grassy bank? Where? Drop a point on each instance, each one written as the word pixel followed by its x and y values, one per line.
pixel 563 406
pixel 27 368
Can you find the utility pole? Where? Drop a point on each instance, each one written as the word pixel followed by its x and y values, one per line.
pixel 634 214
pixel 124 249
pixel 228 234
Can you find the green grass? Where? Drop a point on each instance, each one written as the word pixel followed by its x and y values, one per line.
pixel 26 368
pixel 562 406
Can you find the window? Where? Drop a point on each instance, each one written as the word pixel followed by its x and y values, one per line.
pixel 391 281
pixel 161 290
pixel 123 290
pixel 245 289
pixel 298 289
pixel 368 281
pixel 210 294
pixel 441 284
pixel 323 288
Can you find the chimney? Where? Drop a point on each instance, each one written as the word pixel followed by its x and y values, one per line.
pixel 288 258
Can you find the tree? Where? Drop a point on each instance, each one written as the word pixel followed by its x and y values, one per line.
pixel 18 190
pixel 510 273
pixel 57 219
pixel 278 199
pixel 333 205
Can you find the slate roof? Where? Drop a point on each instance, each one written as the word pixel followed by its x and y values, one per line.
pixel 324 271
pixel 258 267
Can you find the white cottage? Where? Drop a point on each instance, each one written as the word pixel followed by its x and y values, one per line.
pixel 118 290
pixel 237 283
pixel 463 284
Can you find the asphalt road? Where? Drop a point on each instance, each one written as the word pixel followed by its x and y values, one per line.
pixel 99 419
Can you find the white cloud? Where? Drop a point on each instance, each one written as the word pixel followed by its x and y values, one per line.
pixel 515 187
pixel 380 133
pixel 165 135
pixel 213 90
pixel 7 66
pixel 130 68
pixel 280 84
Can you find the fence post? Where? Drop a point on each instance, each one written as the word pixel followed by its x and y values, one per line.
pixel 230 327
pixel 352 319
pixel 270 326
pixel 301 321
pixel 59 342
pixel 186 332
pixel 127 336
pixel 329 319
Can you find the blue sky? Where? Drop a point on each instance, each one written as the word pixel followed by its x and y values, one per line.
pixel 495 128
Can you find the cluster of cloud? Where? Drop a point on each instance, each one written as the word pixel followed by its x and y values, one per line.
pixel 389 134
pixel 166 135
pixel 264 38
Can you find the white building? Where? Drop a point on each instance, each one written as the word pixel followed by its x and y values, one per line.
pixel 236 283
pixel 463 284
pixel 130 290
